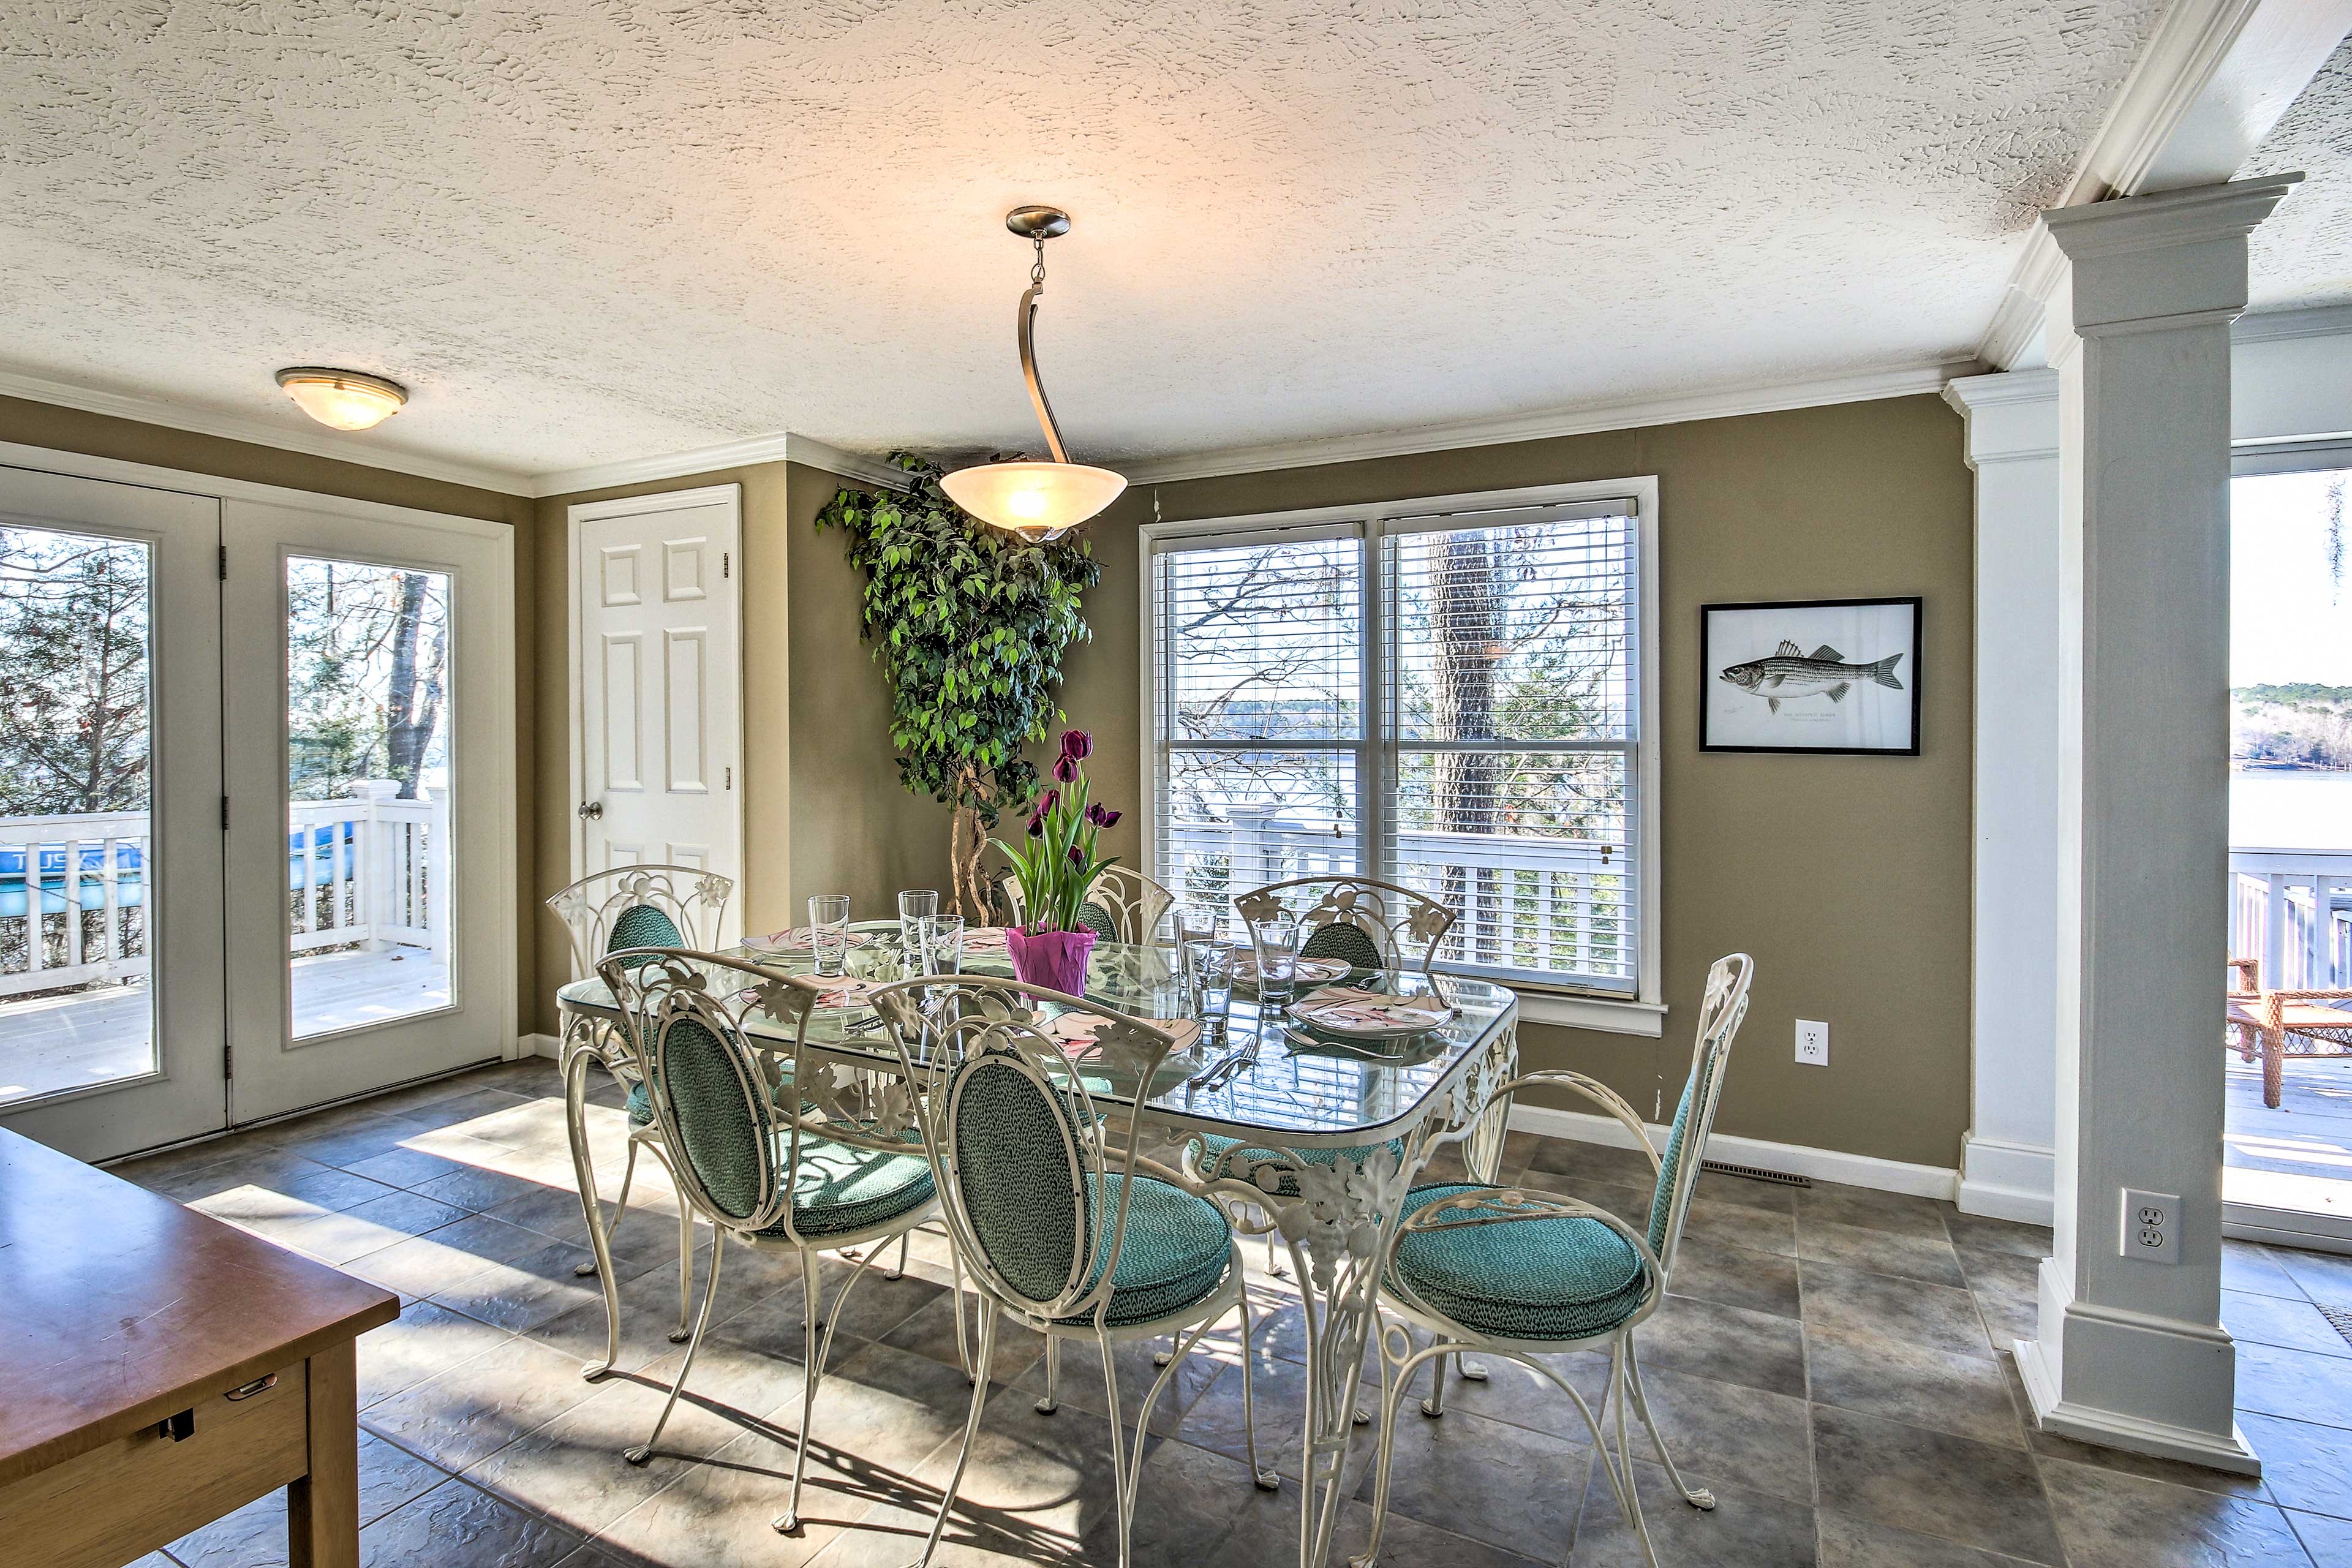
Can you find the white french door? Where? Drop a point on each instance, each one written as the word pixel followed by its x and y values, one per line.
pixel 371 810
pixel 656 655
pixel 112 984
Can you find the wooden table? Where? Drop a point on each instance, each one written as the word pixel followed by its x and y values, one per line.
pixel 159 1369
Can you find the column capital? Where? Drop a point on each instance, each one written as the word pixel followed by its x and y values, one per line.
pixel 2011 416
pixel 2147 263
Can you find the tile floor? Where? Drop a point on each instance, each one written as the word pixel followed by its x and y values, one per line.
pixel 1828 1363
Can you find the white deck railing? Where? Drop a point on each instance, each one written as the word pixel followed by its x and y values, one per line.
pixel 377 885
pixel 2293 910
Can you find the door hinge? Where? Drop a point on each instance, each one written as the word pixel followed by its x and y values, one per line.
pixel 224 814
pixel 223 563
pixel 228 1061
pixel 730 778
pixel 726 563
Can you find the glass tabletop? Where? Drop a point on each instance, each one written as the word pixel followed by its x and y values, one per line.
pixel 1305 1088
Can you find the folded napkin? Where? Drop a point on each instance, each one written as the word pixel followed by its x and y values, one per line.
pixel 848 993
pixel 797 940
pixel 984 940
pixel 1375 1009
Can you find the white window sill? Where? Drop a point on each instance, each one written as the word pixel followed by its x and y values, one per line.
pixel 1607 1013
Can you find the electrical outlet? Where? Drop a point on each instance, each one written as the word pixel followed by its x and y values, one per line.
pixel 2151 1226
pixel 1812 1043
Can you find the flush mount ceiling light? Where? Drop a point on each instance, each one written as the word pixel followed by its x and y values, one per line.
pixel 1037 501
pixel 342 399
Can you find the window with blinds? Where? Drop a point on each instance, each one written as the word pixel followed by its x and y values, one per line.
pixel 1449 701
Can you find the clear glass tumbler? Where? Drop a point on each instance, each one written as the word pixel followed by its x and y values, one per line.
pixel 1276 942
pixel 943 945
pixel 915 905
pixel 1208 984
pixel 829 931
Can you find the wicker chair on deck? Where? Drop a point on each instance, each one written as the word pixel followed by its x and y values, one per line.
pixel 2283 1024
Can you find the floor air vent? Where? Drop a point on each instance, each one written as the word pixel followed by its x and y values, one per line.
pixel 1757 1174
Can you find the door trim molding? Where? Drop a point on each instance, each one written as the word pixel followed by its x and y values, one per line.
pixel 730 495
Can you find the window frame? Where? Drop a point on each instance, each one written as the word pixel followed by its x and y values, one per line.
pixel 1375 749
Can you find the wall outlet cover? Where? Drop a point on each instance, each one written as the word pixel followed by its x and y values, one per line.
pixel 2151 1226
pixel 1812 1043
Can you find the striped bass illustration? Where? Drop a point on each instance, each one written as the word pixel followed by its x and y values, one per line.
pixel 1788 672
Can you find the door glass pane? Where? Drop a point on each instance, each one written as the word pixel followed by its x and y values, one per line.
pixel 75 861
pixel 367 793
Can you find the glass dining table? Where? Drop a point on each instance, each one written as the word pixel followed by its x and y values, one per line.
pixel 1332 1133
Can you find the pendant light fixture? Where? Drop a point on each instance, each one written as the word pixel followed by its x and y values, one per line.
pixel 1037 501
pixel 342 399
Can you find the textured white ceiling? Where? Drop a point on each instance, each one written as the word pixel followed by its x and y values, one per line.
pixel 588 232
pixel 2303 255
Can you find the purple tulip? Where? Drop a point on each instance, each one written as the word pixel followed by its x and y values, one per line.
pixel 1076 745
pixel 1101 817
pixel 1065 769
pixel 1077 856
pixel 1045 805
pixel 1036 827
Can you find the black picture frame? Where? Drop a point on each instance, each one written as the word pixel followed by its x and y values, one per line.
pixel 1736 718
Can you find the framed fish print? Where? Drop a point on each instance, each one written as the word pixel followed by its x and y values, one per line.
pixel 1839 676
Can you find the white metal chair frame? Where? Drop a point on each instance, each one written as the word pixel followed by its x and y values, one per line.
pixel 1725 1005
pixel 860 1108
pixel 1395 919
pixel 694 902
pixel 939 1025
pixel 1135 903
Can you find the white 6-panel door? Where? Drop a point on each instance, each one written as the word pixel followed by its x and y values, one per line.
pixel 656 655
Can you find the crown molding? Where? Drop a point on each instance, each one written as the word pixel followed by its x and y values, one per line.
pixel 1722 404
pixel 2215 77
pixel 2309 321
pixel 780 448
pixel 343 448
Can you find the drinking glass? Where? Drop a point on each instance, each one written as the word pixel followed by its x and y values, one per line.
pixel 1209 978
pixel 829 931
pixel 942 940
pixel 915 905
pixel 1194 924
pixel 1276 942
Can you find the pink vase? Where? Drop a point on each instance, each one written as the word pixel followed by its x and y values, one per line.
pixel 1055 960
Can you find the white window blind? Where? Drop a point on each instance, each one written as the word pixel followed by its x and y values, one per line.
pixel 1452 703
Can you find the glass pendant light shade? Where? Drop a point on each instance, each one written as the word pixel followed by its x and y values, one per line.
pixel 1037 501
pixel 342 399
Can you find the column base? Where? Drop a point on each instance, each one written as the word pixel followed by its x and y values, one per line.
pixel 2158 1362
pixel 2006 1181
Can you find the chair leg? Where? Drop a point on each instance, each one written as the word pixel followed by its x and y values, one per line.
pixel 1392 1396
pixel 812 1371
pixel 1630 1497
pixel 1122 1493
pixel 1469 1371
pixel 2273 1068
pixel 1697 1496
pixel 900 1272
pixel 644 1451
pixel 685 1264
pixel 1434 1405
pixel 1046 1406
pixel 620 1207
pixel 971 1431
pixel 964 1348
pixel 1266 1479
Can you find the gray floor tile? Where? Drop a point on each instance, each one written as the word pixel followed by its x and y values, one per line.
pixel 1278 1386
pixel 1855 1301
pixel 1743 1529
pixel 2304 1467
pixel 2321 1276
pixel 454 1518
pixel 2032 1242
pixel 1738 1224
pixel 1494 1482
pixel 1897 1212
pixel 2112 1521
pixel 2297 1385
pixel 1755 1441
pixel 1754 1350
pixel 478 1189
pixel 1596 1162
pixel 1903 1380
pixel 1736 1277
pixel 370 1227
pixel 423 1265
pixel 478 1407
pixel 2328 1539
pixel 1932 1483
pixel 2007 1289
pixel 425 1341
pixel 536 1288
pixel 720 1511
pixel 1849 1542
pixel 1079 1384
pixel 2273 1321
pixel 2246 1265
pixel 1927 1257
pixel 1715 1186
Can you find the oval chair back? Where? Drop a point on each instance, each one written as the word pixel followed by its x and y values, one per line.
pixel 1121 905
pixel 1368 923
pixel 1034 1174
pixel 741 1151
pixel 1721 1009
pixel 640 906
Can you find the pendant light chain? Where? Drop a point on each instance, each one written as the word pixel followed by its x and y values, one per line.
pixel 1038 269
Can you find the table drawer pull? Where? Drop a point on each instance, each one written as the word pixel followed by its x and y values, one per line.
pixel 179 1429
pixel 259 1385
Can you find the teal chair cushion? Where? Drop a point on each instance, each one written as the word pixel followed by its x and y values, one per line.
pixel 1174 1253
pixel 837 1189
pixel 642 925
pixel 1097 918
pixel 640 1105
pixel 1229 1158
pixel 1349 943
pixel 1558 1278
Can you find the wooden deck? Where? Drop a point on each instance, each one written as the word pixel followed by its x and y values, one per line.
pixel 2300 1155
pixel 96 1036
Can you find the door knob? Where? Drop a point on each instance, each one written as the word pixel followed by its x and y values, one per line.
pixel 592 808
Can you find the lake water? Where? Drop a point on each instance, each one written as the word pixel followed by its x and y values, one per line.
pixel 2285 809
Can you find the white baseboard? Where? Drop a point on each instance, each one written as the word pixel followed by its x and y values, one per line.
pixel 541 1046
pixel 2112 1430
pixel 1792 1159
pixel 2006 1181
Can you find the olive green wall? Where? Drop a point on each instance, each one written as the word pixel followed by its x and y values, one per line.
pixel 128 440
pixel 823 808
pixel 1847 877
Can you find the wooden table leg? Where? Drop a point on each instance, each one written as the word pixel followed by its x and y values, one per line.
pixel 322 1509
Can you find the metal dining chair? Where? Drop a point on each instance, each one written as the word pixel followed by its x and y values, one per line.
pixel 1121 905
pixel 1059 1222
pixel 1369 924
pixel 836 1164
pixel 606 912
pixel 1528 1275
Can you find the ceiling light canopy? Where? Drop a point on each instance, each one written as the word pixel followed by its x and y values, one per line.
pixel 1037 501
pixel 342 399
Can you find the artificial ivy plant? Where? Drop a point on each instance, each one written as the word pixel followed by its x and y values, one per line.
pixel 970 625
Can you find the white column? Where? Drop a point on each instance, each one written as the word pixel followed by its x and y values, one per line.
pixel 2013 446
pixel 2131 1353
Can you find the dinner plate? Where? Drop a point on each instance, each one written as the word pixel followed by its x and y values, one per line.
pixel 1364 1015
pixel 1074 1030
pixel 1310 971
